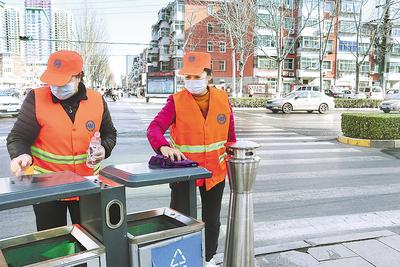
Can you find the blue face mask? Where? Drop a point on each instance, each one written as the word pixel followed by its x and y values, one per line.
pixel 63 92
pixel 196 87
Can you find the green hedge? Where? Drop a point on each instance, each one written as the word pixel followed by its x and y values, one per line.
pixel 260 102
pixel 249 102
pixel 356 103
pixel 374 126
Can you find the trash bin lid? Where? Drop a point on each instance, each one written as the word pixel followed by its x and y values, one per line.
pixel 139 174
pixel 31 189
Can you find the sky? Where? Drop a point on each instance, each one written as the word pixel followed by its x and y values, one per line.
pixel 125 21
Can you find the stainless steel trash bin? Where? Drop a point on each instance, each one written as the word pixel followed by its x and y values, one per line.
pixel 165 237
pixel 63 246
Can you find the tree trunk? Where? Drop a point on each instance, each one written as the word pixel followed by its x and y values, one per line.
pixel 279 80
pixel 320 75
pixel 357 76
pixel 233 73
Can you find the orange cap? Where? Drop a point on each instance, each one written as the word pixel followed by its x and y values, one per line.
pixel 194 63
pixel 61 66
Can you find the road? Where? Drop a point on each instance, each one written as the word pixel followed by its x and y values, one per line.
pixel 308 185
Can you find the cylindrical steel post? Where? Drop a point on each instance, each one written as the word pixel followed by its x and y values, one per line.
pixel 242 170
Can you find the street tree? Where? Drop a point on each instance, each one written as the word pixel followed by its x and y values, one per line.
pixel 91 34
pixel 280 26
pixel 234 20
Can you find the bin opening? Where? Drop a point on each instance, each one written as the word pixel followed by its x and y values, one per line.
pixel 42 250
pixel 152 224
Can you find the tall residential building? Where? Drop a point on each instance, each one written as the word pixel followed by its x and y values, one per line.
pixel 38 21
pixel 129 64
pixel 62 30
pixel 2 28
pixel 14 29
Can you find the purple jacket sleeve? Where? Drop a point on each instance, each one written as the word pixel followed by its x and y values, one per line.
pixel 165 118
pixel 160 124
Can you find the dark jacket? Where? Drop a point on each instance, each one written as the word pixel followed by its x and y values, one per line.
pixel 26 128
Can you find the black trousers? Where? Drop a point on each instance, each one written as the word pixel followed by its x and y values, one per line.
pixel 54 214
pixel 210 210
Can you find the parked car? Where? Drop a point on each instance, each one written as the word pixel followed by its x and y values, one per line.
pixel 392 94
pixel 307 88
pixel 372 92
pixel 307 101
pixel 350 94
pixel 390 105
pixel 9 105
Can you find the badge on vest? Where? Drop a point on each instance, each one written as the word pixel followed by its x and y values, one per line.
pixel 221 118
pixel 90 125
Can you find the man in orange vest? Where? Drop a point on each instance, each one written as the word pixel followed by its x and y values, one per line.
pixel 53 131
pixel 201 123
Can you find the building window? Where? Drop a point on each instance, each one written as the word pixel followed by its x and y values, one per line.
pixel 288 44
pixel 396 32
pixel 222 47
pixel 309 22
pixel 394 67
pixel 288 64
pixel 180 7
pixel 222 65
pixel 328 28
pixel 209 28
pixel 364 67
pixel 329 7
pixel 327 65
pixel 351 46
pixel 347 26
pixel 329 46
pixel 289 25
pixel 178 64
pixel 266 41
pixel 266 63
pixel 310 42
pixel 210 10
pixel 264 20
pixel 306 63
pixel 210 47
pixel 350 6
pixel 347 65
pixel 396 49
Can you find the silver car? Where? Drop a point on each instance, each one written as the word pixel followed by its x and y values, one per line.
pixel 307 101
pixel 390 105
pixel 9 105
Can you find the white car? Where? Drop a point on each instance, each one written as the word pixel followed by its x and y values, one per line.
pixel 390 105
pixel 307 101
pixel 9 105
pixel 374 92
pixel 392 94
pixel 350 94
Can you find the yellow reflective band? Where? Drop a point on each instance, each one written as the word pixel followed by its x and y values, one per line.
pixel 96 169
pixel 58 159
pixel 39 170
pixel 222 157
pixel 198 148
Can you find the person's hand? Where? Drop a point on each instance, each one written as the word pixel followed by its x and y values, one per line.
pixel 98 155
pixel 172 153
pixel 19 164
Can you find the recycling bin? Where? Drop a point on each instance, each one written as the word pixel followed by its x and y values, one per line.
pixel 62 246
pixel 165 237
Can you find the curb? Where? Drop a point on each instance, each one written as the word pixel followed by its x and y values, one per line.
pixel 369 143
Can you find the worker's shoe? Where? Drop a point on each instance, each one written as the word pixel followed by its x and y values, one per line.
pixel 211 263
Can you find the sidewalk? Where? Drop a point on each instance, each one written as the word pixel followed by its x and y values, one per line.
pixel 378 248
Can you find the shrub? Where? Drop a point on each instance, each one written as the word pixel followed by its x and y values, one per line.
pixel 249 102
pixel 356 103
pixel 374 126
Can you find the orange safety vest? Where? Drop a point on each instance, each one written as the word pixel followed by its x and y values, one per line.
pixel 62 145
pixel 203 140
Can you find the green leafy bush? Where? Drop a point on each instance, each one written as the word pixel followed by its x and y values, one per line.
pixel 357 103
pixel 374 126
pixel 249 102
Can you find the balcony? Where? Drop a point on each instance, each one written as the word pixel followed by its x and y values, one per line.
pixel 165 25
pixel 164 41
pixel 164 57
pixel 392 76
pixel 177 53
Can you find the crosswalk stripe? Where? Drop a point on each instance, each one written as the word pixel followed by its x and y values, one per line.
pixel 297 138
pixel 268 144
pixel 305 151
pixel 326 174
pixel 325 225
pixel 322 193
pixel 275 162
pixel 264 133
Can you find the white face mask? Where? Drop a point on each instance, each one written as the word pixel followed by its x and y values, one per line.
pixel 196 87
pixel 63 92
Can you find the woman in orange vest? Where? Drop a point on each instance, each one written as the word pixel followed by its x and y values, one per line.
pixel 53 131
pixel 201 122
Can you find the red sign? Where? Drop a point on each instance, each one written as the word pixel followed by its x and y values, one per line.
pixel 159 74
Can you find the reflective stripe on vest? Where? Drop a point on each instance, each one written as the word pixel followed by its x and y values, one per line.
pixel 198 148
pixel 58 159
